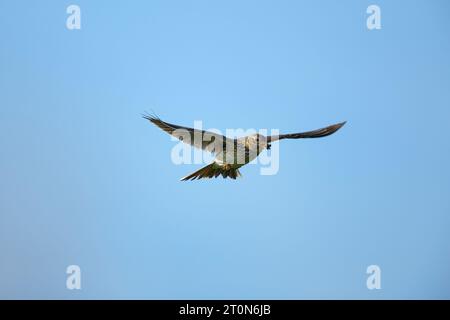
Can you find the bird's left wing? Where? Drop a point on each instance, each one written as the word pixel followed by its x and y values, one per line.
pixel 202 139
pixel 319 133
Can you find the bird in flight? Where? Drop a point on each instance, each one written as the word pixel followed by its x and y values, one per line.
pixel 230 154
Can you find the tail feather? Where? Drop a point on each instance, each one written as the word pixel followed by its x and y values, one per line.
pixel 213 170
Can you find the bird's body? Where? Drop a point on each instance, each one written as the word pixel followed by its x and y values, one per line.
pixel 241 151
pixel 230 154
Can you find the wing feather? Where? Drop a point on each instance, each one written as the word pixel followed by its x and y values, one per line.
pixel 319 133
pixel 202 139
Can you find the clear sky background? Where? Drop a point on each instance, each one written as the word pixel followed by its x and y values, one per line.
pixel 85 180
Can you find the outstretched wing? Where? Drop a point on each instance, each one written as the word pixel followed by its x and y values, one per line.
pixel 319 133
pixel 202 139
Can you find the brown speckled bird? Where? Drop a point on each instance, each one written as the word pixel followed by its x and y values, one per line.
pixel 230 154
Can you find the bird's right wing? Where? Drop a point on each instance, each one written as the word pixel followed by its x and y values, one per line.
pixel 202 139
pixel 319 133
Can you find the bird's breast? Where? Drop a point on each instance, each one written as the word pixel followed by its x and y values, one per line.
pixel 239 155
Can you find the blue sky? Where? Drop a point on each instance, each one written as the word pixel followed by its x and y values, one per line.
pixel 86 181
